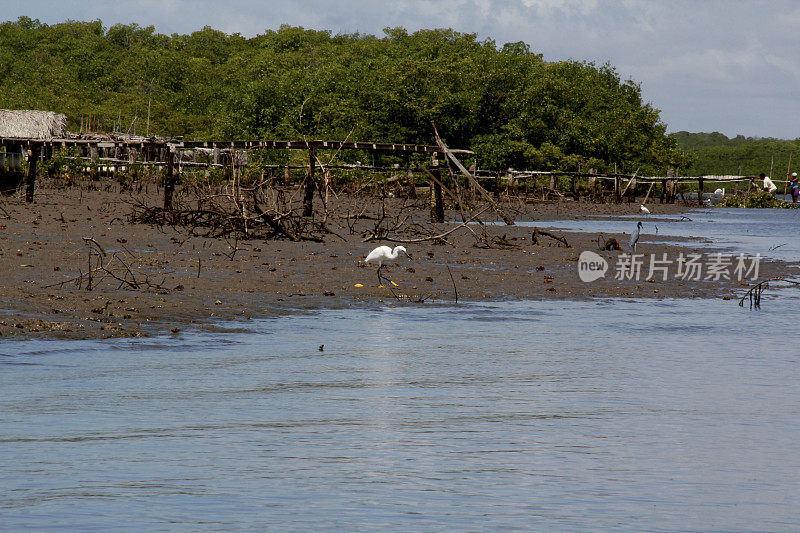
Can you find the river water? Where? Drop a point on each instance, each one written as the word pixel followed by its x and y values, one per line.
pixel 624 415
pixel 773 233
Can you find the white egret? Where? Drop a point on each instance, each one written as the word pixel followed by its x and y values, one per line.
pixel 644 210
pixel 382 255
pixel 635 236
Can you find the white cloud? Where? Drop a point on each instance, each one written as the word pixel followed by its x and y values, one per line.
pixel 573 8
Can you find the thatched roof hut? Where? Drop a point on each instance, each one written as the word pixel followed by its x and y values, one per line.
pixel 32 124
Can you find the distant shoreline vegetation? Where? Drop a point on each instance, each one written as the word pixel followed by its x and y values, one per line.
pixel 715 153
pixel 505 102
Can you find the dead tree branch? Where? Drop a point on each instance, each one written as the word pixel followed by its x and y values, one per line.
pixel 539 232
pixel 754 293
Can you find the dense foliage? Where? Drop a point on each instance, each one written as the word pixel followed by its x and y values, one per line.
pixel 714 153
pixel 756 200
pixel 505 102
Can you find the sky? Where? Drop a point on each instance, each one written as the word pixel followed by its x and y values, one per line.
pixel 728 66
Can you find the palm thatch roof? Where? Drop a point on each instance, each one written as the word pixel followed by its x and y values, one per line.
pixel 32 124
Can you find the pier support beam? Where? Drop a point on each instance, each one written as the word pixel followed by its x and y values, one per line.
pixel 308 198
pixel 700 190
pixel 169 179
pixel 436 200
pixel 30 179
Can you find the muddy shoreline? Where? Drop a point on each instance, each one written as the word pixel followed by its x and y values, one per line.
pixel 191 282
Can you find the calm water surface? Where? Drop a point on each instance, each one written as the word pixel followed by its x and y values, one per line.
pixel 770 232
pixel 671 415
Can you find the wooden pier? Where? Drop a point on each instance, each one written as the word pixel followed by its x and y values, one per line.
pixel 121 153
pixel 113 153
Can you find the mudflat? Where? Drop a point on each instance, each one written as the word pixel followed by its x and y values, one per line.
pixel 75 266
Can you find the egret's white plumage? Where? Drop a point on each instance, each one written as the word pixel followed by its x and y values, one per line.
pixel 382 255
pixel 644 210
pixel 635 236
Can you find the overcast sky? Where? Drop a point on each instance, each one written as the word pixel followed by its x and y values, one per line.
pixel 727 66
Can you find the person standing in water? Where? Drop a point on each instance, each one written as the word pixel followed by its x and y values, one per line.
pixel 794 186
pixel 769 186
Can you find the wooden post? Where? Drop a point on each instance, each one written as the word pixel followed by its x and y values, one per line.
pixel 436 200
pixel 700 190
pixel 93 155
pixel 788 170
pixel 308 199
pixel 132 162
pixel 412 187
pixel 30 179
pixel 647 195
pixel 169 179
pixel 472 180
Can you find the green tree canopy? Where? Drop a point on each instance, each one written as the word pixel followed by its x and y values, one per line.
pixel 508 104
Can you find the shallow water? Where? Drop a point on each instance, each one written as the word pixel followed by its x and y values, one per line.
pixel 773 233
pixel 668 415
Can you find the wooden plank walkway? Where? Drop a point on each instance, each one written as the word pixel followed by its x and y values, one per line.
pixel 176 144
pixel 118 153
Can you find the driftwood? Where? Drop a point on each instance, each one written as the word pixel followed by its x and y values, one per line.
pixel 381 232
pixel 472 181
pixel 608 244
pixel 455 289
pixel 484 240
pixel 433 237
pixel 540 232
pixel 454 197
pixel 117 269
pixel 556 192
pixel 231 213
pixel 649 189
pixel 271 222
pixel 631 181
pixel 754 293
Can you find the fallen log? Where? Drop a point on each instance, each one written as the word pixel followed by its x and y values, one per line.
pixel 539 232
pixel 472 181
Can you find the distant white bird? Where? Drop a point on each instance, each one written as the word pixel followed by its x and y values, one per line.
pixel 644 210
pixel 382 255
pixel 720 192
pixel 635 236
